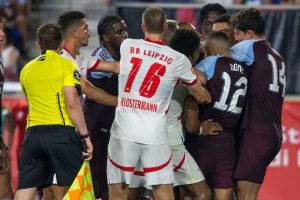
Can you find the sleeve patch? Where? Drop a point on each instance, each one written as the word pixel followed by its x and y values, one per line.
pixel 76 75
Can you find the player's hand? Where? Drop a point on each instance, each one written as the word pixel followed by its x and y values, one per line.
pixel 88 152
pixel 4 159
pixel 209 127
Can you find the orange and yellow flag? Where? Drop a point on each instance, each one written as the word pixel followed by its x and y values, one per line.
pixel 82 186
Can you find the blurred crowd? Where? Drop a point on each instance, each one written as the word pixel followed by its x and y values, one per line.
pixel 223 2
pixel 15 17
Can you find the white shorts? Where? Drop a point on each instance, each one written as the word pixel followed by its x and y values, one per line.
pixel 186 170
pixel 125 156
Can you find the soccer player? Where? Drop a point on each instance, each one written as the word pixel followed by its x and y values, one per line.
pixel 186 25
pixel 208 14
pixel 187 174
pixel 112 31
pixel 52 150
pixel 261 136
pixel 215 152
pixel 6 191
pixel 76 34
pixel 149 72
pixel 223 24
pixel 172 27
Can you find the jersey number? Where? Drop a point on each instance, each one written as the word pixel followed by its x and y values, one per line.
pixel 221 104
pixel 151 80
pixel 274 85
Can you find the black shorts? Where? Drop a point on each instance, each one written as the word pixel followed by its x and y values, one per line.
pixel 98 164
pixel 256 151
pixel 50 155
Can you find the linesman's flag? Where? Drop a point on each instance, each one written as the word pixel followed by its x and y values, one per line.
pixel 82 186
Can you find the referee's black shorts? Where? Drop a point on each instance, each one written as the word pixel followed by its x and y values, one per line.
pixel 50 155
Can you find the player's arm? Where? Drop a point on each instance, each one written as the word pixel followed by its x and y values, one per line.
pixel 188 77
pixel 10 126
pixel 201 76
pixel 191 115
pixel 97 94
pixel 76 115
pixel 108 66
pixel 193 125
pixel 200 93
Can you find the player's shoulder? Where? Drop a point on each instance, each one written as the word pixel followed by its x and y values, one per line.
pixel 243 45
pixel 207 62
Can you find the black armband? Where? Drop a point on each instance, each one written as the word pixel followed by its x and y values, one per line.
pixel 78 89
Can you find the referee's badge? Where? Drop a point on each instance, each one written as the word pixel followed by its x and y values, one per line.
pixel 76 75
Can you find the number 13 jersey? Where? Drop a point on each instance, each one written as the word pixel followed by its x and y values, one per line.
pixel 149 71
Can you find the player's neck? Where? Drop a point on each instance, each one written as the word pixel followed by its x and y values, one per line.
pixel 154 36
pixel 226 54
pixel 115 54
pixel 72 48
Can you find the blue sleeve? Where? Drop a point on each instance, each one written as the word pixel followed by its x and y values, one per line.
pixel 243 52
pixel 207 66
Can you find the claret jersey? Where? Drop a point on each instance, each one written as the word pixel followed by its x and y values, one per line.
pixel 148 73
pixel 267 81
pixel 227 83
pixel 84 61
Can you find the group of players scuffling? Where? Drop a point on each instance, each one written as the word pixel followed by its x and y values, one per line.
pixel 206 120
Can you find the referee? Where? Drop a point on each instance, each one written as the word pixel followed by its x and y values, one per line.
pixel 52 150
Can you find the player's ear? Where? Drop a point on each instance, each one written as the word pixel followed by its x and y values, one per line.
pixel 143 28
pixel 105 37
pixel 165 27
pixel 37 45
pixel 250 34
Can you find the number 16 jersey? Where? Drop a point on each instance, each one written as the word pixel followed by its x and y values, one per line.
pixel 149 71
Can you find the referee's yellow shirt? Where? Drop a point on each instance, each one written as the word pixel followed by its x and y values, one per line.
pixel 42 81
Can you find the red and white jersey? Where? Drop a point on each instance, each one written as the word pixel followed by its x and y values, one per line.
pixel 148 73
pixel 175 131
pixel 84 61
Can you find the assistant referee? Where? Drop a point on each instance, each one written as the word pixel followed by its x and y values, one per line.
pixel 52 149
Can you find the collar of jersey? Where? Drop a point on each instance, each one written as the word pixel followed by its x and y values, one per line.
pixel 64 48
pixel 51 52
pixel 156 42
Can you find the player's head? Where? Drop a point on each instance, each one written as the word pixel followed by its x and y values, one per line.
pixel 112 31
pixel 74 25
pixel 172 27
pixel 248 24
pixel 49 37
pixel 208 14
pixel 216 43
pixel 223 24
pixel 186 25
pixel 186 42
pixel 154 21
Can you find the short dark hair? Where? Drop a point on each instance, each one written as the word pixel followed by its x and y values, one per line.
pixel 106 22
pixel 69 19
pixel 154 19
pixel 249 19
pixel 208 8
pixel 225 18
pixel 185 41
pixel 218 41
pixel 49 36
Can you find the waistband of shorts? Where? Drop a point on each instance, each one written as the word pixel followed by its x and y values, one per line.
pixel 51 127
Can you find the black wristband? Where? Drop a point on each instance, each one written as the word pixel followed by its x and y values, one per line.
pixel 85 135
